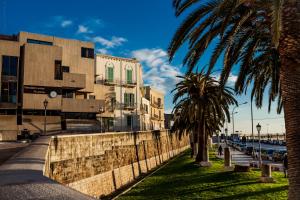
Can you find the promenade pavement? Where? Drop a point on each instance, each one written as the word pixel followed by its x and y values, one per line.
pixel 239 157
pixel 21 177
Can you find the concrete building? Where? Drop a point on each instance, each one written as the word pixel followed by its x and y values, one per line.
pixel 35 68
pixel 145 114
pixel 156 99
pixel 123 78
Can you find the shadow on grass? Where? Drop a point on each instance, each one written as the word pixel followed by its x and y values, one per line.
pixel 181 179
pixel 255 193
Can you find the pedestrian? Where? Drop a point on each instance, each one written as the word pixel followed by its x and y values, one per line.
pixel 285 165
pixel 220 150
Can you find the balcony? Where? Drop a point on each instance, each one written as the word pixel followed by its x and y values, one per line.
pixel 156 104
pixel 72 80
pixel 128 83
pixel 128 106
pixel 82 105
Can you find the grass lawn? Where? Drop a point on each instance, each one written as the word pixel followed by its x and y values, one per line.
pixel 181 179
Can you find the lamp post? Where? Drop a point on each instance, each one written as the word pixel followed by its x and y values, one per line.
pixel 252 129
pixel 233 114
pixel 101 110
pixel 233 121
pixel 258 127
pixel 226 135
pixel 45 115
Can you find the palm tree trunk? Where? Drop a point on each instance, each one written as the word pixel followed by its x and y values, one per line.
pixel 205 149
pixel 199 157
pixel 289 49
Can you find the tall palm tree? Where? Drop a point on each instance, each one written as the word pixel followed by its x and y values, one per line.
pixel 201 105
pixel 262 36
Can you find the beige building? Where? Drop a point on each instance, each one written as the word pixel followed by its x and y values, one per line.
pixel 156 99
pixel 123 78
pixel 83 92
pixel 35 68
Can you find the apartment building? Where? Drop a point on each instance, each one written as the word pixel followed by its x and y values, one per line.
pixel 122 77
pixel 156 99
pixel 35 68
pixel 145 114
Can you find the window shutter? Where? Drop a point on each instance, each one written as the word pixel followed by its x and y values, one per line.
pixel 126 98
pixel 132 99
pixel 129 76
pixel 110 74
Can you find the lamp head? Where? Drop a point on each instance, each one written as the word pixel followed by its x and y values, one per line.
pixel 258 127
pixel 45 103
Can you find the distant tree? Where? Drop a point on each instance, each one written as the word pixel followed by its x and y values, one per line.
pixel 201 108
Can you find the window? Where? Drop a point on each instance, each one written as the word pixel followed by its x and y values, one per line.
pixel 9 92
pixel 129 76
pixel 66 69
pixel 129 99
pixel 110 72
pixel 31 41
pixel 58 72
pixel 87 52
pixel 129 120
pixel 159 102
pixel 92 97
pixel 9 65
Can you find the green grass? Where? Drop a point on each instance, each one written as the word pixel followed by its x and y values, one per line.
pixel 181 179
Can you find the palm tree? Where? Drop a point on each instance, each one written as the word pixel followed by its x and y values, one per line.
pixel 262 36
pixel 201 107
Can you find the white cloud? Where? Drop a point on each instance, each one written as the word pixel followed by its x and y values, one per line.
pixel 102 51
pixel 113 42
pixel 158 72
pixel 83 29
pixel 230 81
pixel 66 23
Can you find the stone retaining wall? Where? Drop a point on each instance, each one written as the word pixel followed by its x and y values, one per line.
pixel 99 164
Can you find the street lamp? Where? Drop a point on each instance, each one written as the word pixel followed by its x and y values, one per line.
pixel 258 127
pixel 101 110
pixel 234 113
pixel 45 115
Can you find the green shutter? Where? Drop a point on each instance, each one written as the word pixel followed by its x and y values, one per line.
pixel 110 74
pixel 132 99
pixel 129 76
pixel 126 99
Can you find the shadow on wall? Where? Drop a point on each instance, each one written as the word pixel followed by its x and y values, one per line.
pixel 103 164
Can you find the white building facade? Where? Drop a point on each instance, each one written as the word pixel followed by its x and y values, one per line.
pixel 124 76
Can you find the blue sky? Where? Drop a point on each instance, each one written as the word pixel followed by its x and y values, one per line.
pixel 131 28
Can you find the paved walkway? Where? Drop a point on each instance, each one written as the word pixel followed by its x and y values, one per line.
pixel 21 177
pixel 8 149
pixel 239 157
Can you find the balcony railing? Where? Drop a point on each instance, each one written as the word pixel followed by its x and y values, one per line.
pixel 128 106
pixel 156 104
pixel 124 83
pixel 128 83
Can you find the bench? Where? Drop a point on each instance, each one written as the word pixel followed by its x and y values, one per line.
pixel 241 168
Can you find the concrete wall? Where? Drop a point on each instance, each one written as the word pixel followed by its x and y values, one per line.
pixel 99 164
